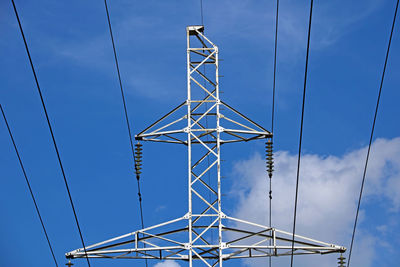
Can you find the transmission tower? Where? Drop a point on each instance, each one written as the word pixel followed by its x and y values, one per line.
pixel 191 237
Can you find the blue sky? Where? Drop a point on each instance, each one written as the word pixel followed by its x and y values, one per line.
pixel 72 53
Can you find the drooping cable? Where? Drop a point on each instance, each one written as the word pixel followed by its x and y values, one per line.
pixel 201 12
pixel 272 123
pixel 372 133
pixel 126 115
pixel 125 108
pixel 274 78
pixel 29 185
pixel 51 131
pixel 301 131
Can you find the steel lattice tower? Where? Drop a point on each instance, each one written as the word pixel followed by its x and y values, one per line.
pixel 204 123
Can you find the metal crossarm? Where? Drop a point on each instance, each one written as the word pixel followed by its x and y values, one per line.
pixel 204 234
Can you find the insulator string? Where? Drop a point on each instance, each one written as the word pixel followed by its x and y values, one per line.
pixel 126 117
pixel 270 161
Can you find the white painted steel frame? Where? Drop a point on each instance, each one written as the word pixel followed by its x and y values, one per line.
pixel 189 237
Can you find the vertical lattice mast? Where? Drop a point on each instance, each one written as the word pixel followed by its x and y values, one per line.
pixel 207 56
pixel 205 234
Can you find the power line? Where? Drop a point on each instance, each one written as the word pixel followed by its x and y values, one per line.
pixel 51 130
pixel 29 186
pixel 126 114
pixel 301 130
pixel 275 52
pixel 201 13
pixel 125 109
pixel 272 118
pixel 372 133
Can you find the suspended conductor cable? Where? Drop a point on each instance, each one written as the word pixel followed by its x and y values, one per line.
pixel 275 52
pixel 51 131
pixel 201 8
pixel 125 109
pixel 272 121
pixel 372 132
pixel 126 115
pixel 29 185
pixel 301 131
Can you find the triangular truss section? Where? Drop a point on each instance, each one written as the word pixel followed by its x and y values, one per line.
pixel 173 127
pixel 166 241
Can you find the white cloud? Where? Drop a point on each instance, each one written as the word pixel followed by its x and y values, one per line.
pixel 328 195
pixel 167 264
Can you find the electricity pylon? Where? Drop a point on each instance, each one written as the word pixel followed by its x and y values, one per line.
pixel 203 123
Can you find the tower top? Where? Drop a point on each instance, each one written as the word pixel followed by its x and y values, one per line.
pixel 192 29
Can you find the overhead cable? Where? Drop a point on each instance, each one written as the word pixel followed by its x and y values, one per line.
pixel 29 185
pixel 125 109
pixel 275 53
pixel 126 116
pixel 201 13
pixel 51 130
pixel 270 168
pixel 301 131
pixel 372 133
